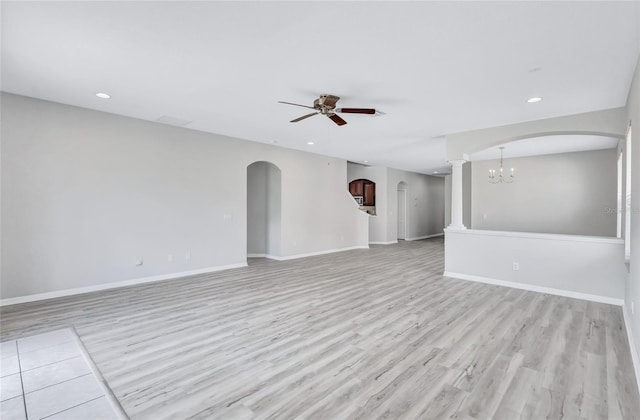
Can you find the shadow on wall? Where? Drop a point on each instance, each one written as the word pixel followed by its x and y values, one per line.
pixel 264 210
pixel 402 209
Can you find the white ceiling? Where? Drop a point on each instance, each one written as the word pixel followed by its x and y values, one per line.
pixel 433 67
pixel 546 145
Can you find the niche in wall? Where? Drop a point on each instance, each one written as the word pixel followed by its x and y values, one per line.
pixel 264 191
pixel 402 210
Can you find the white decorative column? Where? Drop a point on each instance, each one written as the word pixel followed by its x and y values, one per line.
pixel 456 194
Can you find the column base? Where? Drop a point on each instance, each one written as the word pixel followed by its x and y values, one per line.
pixel 456 227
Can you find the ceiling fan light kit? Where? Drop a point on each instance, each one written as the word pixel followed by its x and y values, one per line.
pixel 326 105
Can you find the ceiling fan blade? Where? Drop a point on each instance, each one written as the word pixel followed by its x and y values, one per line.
pixel 304 116
pixel 331 100
pixel 336 119
pixel 291 103
pixel 356 110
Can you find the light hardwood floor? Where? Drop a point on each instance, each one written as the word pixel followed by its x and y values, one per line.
pixel 363 334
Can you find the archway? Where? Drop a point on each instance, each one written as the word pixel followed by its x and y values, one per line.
pixel 402 210
pixel 264 203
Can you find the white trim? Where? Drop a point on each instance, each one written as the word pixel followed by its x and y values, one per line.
pixel 271 257
pixel 635 357
pixel 540 289
pixel 546 236
pixel 417 238
pixel 384 243
pixel 312 254
pixel 106 389
pixel 114 285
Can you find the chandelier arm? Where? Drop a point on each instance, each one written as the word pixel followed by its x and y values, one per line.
pixel 500 178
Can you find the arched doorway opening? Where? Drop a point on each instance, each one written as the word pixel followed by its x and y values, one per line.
pixel 264 204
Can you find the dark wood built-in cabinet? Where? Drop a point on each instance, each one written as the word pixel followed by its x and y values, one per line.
pixel 370 194
pixel 356 188
pixel 365 189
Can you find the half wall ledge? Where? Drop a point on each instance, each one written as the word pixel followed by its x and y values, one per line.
pixel 584 267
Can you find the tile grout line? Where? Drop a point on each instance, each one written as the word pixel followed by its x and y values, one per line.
pixel 46 347
pixel 52 363
pixel 77 405
pixel 24 397
pixel 108 392
pixel 58 383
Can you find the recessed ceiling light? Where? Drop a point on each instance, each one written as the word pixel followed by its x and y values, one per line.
pixel 103 95
pixel 310 143
pixel 435 172
pixel 365 161
pixel 534 99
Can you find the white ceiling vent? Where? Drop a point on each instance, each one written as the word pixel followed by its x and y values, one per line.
pixel 180 122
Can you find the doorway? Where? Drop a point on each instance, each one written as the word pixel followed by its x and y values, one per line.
pixel 402 211
pixel 264 202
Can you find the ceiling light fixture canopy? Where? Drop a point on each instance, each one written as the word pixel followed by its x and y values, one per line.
pixel 534 99
pixel 497 178
pixel 103 95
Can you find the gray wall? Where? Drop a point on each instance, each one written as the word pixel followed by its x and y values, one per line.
pixel 85 194
pixel 425 202
pixel 565 193
pixel 377 174
pixel 632 285
pixel 447 200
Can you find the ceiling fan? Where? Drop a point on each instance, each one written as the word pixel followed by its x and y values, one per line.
pixel 326 105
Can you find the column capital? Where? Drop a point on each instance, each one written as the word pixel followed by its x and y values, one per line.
pixel 457 162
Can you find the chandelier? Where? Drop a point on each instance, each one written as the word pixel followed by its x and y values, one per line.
pixel 496 178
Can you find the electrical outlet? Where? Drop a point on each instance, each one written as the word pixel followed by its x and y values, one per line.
pixel 170 258
pixel 516 266
pixel 187 256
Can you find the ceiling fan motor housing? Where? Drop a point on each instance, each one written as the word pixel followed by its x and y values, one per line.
pixel 326 105
pixel 320 105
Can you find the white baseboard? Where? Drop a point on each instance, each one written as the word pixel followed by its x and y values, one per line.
pixel 540 289
pixel 269 256
pixel 383 243
pixel 417 238
pixel 311 254
pixel 635 357
pixel 114 285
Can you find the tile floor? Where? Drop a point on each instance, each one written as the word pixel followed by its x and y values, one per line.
pixel 46 376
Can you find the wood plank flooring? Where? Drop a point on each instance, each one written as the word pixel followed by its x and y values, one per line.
pixel 363 334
